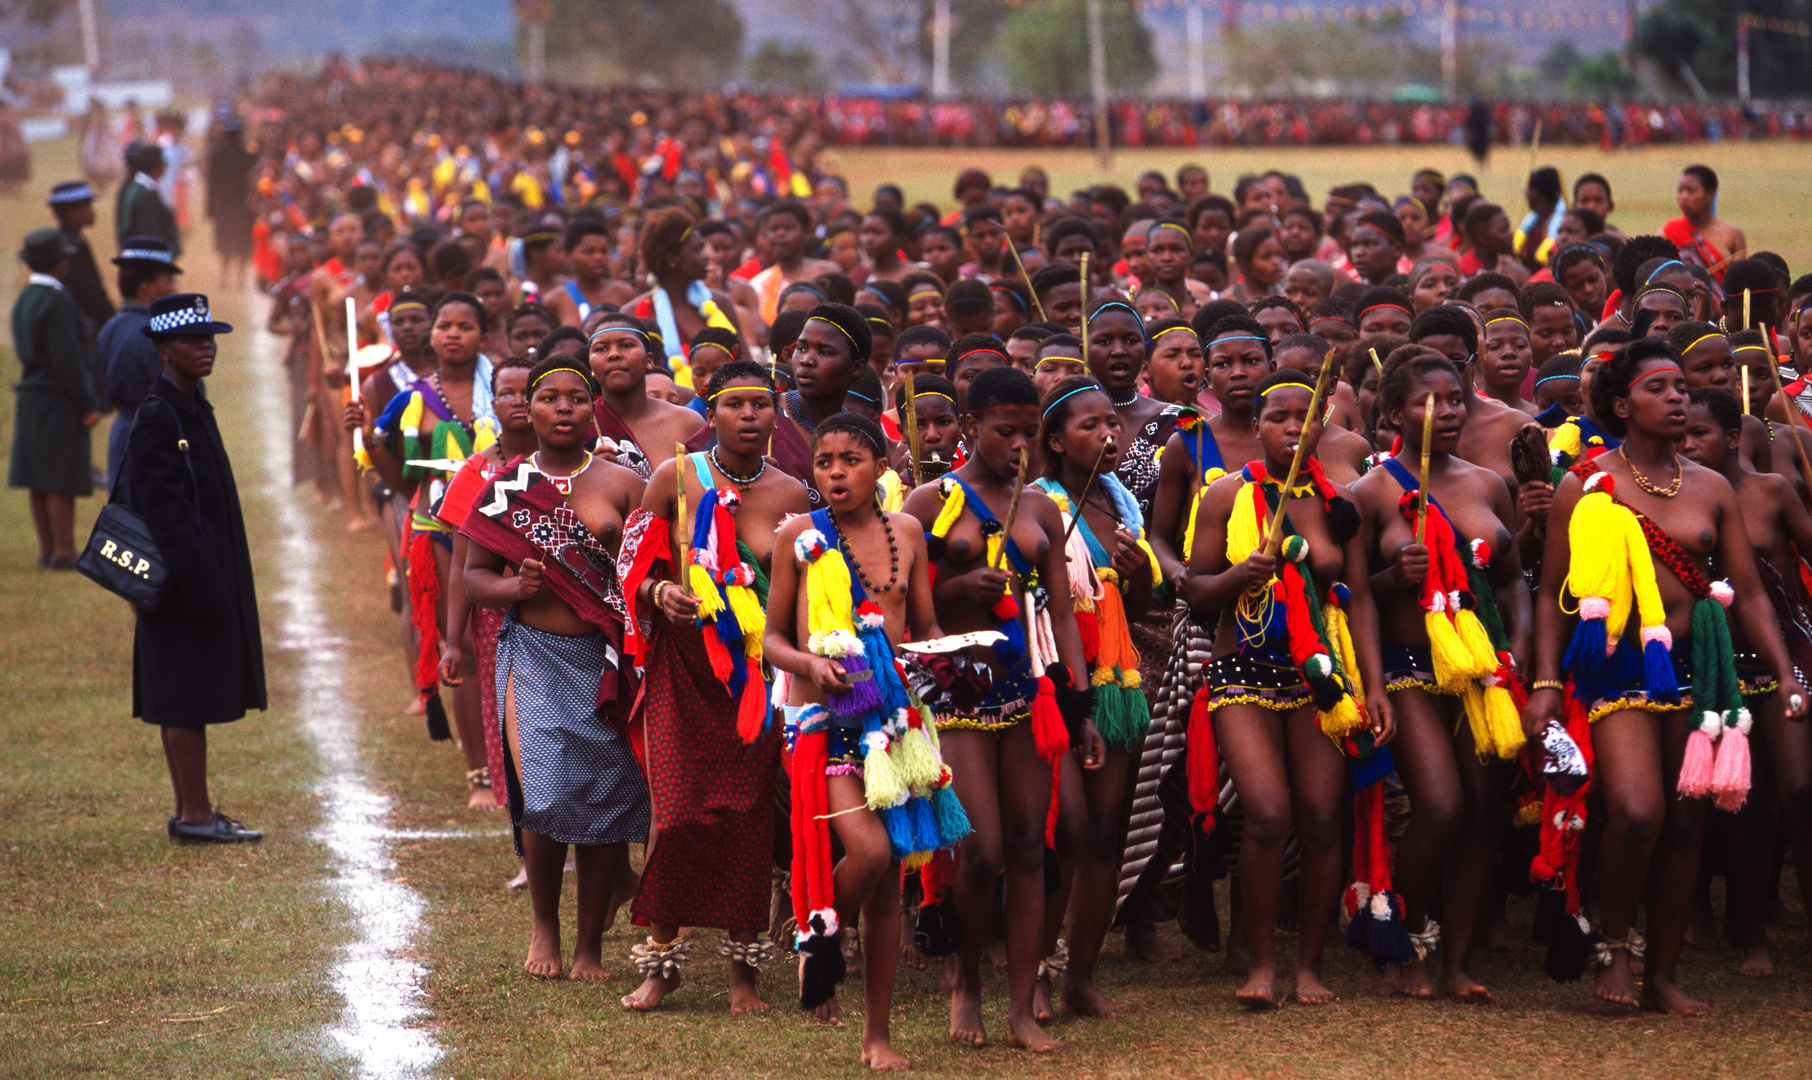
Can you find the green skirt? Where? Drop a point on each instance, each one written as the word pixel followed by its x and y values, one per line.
pixel 51 448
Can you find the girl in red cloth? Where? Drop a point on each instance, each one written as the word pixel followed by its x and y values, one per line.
pixel 711 855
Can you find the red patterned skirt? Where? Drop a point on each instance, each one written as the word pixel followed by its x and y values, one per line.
pixel 712 860
pixel 485 624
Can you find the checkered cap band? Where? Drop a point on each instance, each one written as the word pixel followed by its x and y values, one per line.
pixel 148 255
pixel 172 321
pixel 72 193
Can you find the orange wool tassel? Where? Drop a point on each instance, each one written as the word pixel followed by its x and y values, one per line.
pixel 1116 647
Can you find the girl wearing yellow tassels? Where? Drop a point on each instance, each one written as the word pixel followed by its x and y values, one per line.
pixel 1452 610
pixel 1111 570
pixel 1295 678
pixel 850 582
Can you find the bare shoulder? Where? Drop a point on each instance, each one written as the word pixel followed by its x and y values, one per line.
pixel 794 498
pixel 1703 479
pixel 790 530
pixel 678 415
pixel 923 502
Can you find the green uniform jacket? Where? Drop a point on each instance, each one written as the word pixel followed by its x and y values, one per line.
pixel 144 213
pixel 50 444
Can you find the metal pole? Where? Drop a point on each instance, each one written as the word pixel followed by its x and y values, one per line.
pixel 537 51
pixel 1097 71
pixel 941 21
pixel 1193 33
pixel 1743 58
pixel 1450 49
pixel 91 41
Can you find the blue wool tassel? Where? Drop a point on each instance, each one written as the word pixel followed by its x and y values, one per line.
pixel 1373 769
pixel 1012 652
pixel 1658 673
pixel 1389 938
pixel 1585 659
pixel 899 830
pixel 887 677
pixel 952 819
pixel 1359 928
pixel 924 824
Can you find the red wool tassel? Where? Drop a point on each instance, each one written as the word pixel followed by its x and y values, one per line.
pixel 1050 815
pixel 1006 607
pixel 721 663
pixel 1090 629
pixel 1304 642
pixel 1203 763
pixel 1563 818
pixel 813 888
pixel 424 611
pixel 751 710
pixel 1048 729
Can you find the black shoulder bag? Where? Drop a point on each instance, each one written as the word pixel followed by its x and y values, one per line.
pixel 121 557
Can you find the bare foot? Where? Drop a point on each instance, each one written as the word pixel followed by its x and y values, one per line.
pixel 745 998
pixel 996 953
pixel 965 1016
pixel 520 881
pixel 481 798
pixel 1665 997
pixel 1143 943
pixel 949 980
pixel 1041 1001
pixel 1311 991
pixel 909 948
pixel 880 1056
pixel 1613 983
pixel 544 952
pixel 1260 991
pixel 1027 1035
pixel 1239 955
pixel 588 968
pixel 359 524
pixel 1411 979
pixel 647 997
pixel 1459 986
pixel 852 955
pixel 829 1014
pixel 1081 997
pixel 1758 963
pixel 416 706
pixel 622 891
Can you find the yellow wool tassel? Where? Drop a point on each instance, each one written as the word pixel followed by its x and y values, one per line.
pixel 1503 722
pixel 881 779
pixel 1600 559
pixel 1342 718
pixel 1566 440
pixel 918 760
pixel 1479 650
pixel 1195 506
pixel 953 509
pixel 917 859
pixel 893 492
pixel 709 602
pixel 828 594
pixel 749 616
pixel 1157 573
pixel 1453 668
pixel 1649 607
pixel 1340 637
pixel 1244 531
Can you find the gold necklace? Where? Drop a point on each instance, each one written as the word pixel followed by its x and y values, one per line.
pixel 1648 485
pixel 562 484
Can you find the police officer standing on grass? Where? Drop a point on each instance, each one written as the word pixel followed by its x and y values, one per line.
pixel 57 403
pixel 198 658
pixel 127 360
pixel 73 203
pixel 142 210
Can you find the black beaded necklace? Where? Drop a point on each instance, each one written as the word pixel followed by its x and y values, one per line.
pixel 893 555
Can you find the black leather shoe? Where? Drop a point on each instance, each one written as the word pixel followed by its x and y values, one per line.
pixel 174 821
pixel 222 830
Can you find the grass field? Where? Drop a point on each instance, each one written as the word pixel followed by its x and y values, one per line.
pixel 1766 187
pixel 121 955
